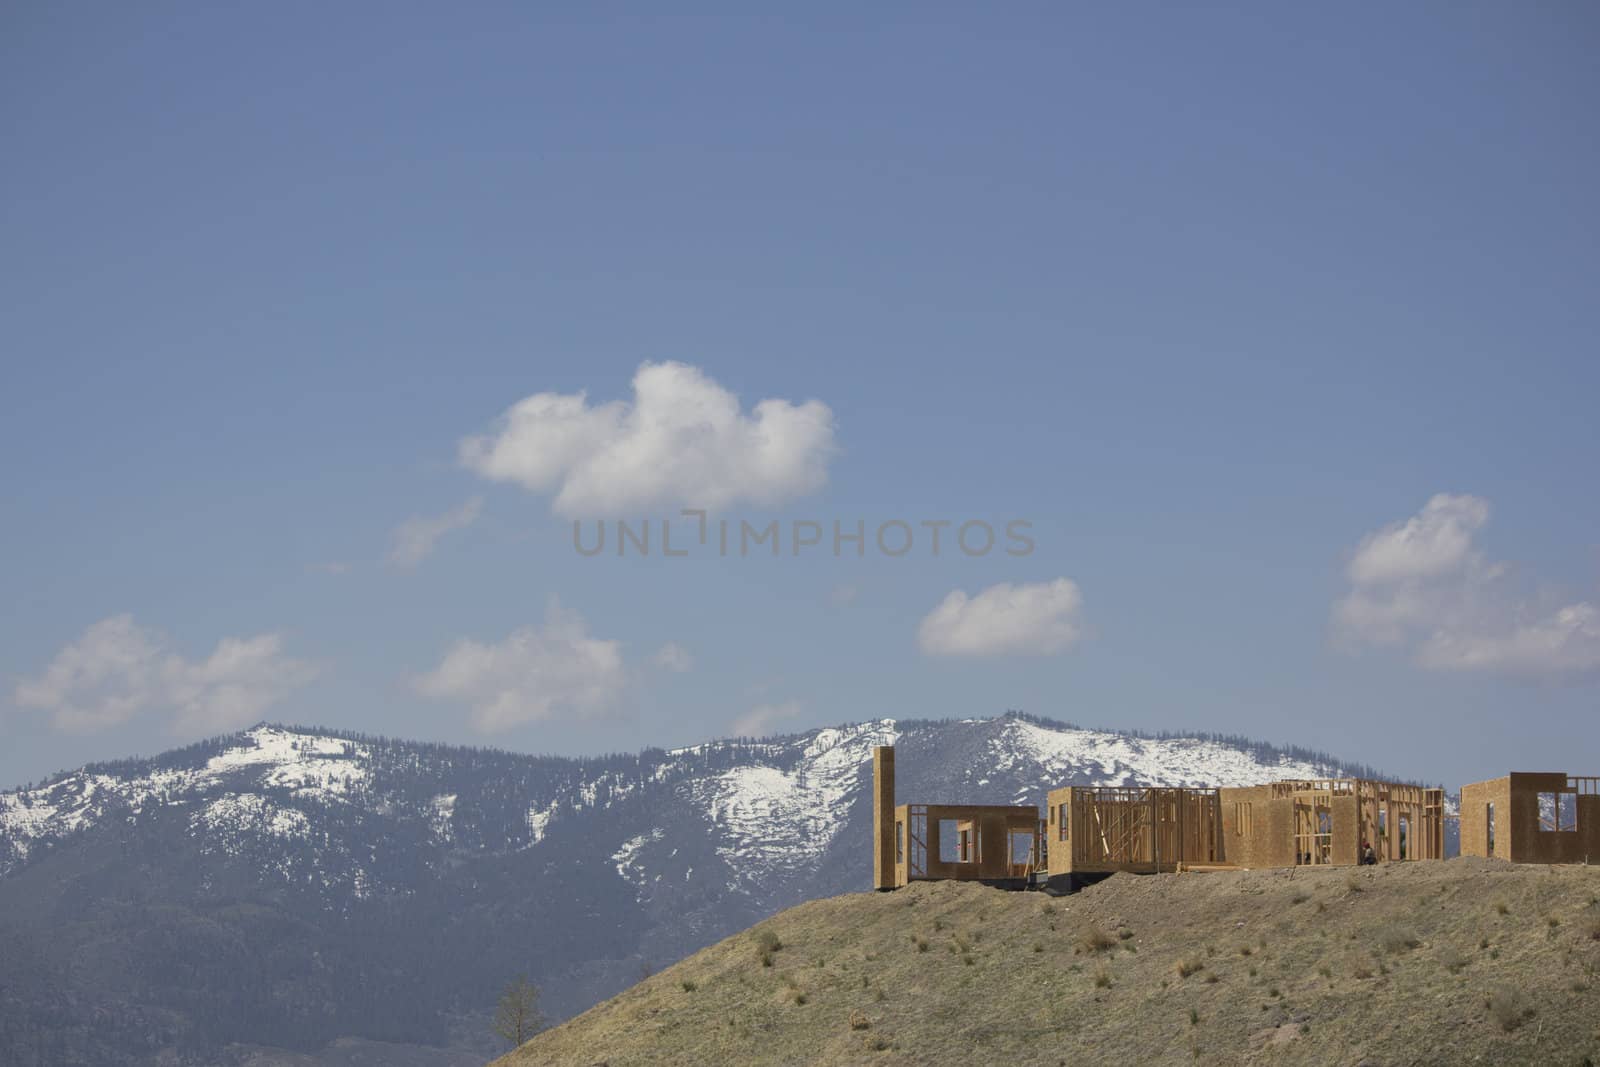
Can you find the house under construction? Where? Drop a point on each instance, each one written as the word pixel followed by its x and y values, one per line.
pixel 1316 822
pixel 996 844
pixel 1092 832
pixel 1532 818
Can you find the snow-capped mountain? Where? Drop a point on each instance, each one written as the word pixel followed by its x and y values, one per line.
pixel 400 884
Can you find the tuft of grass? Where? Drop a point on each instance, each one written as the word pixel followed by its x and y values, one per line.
pixel 1095 939
pixel 859 1020
pixel 1245 950
pixel 879 995
pixel 1102 977
pixel 800 996
pixel 1325 971
pixel 1398 939
pixel 1352 882
pixel 767 942
pixel 1502 908
pixel 1194 1017
pixel 1453 960
pixel 1509 1008
pixel 689 985
pixel 1038 946
pixel 1124 934
pixel 1361 971
pixel 1212 978
pixel 1189 965
pixel 878 1043
pixel 1299 898
pixel 922 943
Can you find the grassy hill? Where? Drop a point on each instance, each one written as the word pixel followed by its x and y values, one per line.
pixel 1463 961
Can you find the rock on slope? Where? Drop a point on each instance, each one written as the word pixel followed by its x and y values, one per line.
pixel 1454 962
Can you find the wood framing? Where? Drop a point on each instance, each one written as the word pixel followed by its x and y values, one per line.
pixel 1316 822
pixel 1532 817
pixel 993 843
pixel 1092 830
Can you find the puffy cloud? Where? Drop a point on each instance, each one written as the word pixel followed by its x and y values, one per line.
pixel 760 720
pixel 1424 586
pixel 119 669
pixel 683 441
pixel 1005 620
pixel 1435 541
pixel 1564 642
pixel 414 539
pixel 672 657
pixel 535 674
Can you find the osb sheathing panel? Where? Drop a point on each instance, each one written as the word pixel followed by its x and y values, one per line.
pixel 1252 849
pixel 1275 844
pixel 1346 830
pixel 1475 801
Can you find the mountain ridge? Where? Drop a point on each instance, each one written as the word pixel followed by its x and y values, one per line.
pixel 467 866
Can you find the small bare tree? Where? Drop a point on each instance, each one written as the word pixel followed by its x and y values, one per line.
pixel 517 1017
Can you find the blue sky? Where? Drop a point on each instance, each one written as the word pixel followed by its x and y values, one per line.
pixel 1218 301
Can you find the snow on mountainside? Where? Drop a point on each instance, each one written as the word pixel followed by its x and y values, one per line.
pixel 770 819
pixel 1091 757
pixel 266 758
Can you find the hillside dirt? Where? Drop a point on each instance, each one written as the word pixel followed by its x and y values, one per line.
pixel 1456 962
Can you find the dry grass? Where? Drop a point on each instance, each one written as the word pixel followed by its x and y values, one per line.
pixel 1096 939
pixel 1509 1008
pixel 1398 939
pixel 1316 987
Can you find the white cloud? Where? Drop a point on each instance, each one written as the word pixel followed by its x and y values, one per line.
pixel 1005 620
pixel 119 669
pixel 1437 540
pixel 536 673
pixel 673 657
pixel 683 441
pixel 1424 586
pixel 760 720
pixel 415 539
